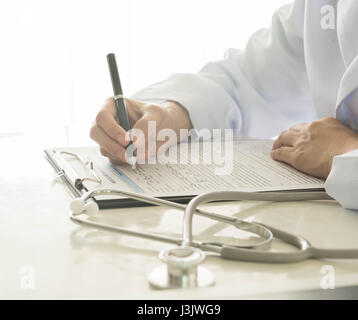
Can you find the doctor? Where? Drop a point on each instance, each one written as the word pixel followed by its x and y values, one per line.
pixel 297 79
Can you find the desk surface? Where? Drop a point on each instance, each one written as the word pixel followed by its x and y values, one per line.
pixel 38 240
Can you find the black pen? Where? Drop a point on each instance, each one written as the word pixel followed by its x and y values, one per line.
pixel 121 108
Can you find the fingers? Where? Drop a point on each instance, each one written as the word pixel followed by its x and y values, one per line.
pixel 284 154
pixel 106 154
pixel 144 132
pixel 140 136
pixel 112 138
pixel 108 147
pixel 149 151
pixel 300 126
pixel 107 122
pixel 288 138
pixel 141 131
pixel 284 146
pixel 107 119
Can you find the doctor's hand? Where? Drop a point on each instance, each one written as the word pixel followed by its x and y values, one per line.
pixel 113 139
pixel 310 147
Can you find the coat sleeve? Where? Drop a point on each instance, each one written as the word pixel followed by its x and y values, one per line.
pixel 342 182
pixel 258 91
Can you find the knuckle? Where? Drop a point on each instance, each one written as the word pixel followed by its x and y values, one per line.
pixel 276 143
pixel 154 108
pixel 115 161
pixel 108 102
pixel 121 157
pixel 305 136
pixel 110 148
pixel 297 156
pixel 100 116
pixel 299 146
pixel 283 133
pixel 115 152
pixel 276 154
pixel 294 163
pixel 313 125
pixel 93 132
pixel 103 151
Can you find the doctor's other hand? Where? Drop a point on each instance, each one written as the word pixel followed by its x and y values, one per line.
pixel 113 139
pixel 311 147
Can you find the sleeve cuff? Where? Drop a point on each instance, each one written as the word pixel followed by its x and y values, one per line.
pixel 208 104
pixel 342 182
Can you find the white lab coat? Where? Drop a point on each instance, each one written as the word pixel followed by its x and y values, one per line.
pixel 295 71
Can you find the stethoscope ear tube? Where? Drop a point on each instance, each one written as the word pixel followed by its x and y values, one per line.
pixel 85 204
pixel 239 195
pixel 233 253
pixel 319 253
pixel 304 250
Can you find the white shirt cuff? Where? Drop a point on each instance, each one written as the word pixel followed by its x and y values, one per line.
pixel 342 182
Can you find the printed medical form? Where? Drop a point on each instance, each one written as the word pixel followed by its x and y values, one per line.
pixel 252 170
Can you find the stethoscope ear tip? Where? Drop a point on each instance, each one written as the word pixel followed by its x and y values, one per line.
pixel 77 205
pixel 91 208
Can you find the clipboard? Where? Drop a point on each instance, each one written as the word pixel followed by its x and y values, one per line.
pixel 75 182
pixel 253 170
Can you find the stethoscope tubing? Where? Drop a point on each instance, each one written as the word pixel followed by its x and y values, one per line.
pixel 306 250
pixel 262 231
pixel 243 253
pixel 192 206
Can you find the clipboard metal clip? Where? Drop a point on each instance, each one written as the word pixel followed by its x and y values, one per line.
pixel 58 175
pixel 86 163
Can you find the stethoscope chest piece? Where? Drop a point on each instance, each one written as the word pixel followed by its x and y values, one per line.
pixel 181 270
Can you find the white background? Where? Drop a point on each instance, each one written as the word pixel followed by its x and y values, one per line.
pixel 53 70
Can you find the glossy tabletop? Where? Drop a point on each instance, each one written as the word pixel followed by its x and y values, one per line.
pixel 45 255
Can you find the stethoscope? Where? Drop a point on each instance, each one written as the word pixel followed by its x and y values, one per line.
pixel 181 264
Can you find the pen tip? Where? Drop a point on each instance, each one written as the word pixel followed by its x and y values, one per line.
pixel 133 162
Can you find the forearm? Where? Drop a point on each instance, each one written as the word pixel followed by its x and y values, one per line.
pixel 208 103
